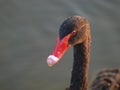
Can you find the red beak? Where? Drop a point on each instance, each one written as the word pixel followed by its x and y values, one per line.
pixel 60 49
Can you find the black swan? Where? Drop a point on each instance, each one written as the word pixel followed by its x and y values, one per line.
pixel 75 31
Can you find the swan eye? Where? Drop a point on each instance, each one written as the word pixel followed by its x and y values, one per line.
pixel 74 33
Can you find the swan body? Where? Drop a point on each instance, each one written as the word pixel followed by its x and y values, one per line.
pixel 106 79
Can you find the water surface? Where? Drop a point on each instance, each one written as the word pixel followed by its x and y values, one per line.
pixel 28 31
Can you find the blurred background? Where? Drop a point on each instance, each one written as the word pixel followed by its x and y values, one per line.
pixel 28 31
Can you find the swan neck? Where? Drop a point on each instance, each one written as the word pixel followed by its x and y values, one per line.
pixel 79 77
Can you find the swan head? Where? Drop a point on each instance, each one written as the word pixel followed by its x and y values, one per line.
pixel 74 30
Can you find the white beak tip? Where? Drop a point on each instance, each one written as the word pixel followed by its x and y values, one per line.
pixel 51 60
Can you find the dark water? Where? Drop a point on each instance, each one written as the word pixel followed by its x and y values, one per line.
pixel 28 30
